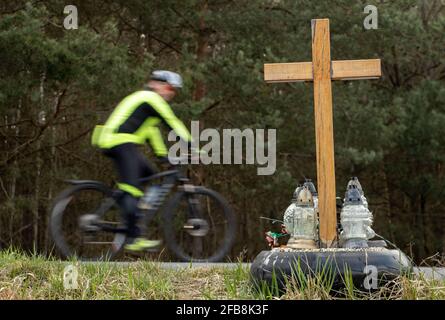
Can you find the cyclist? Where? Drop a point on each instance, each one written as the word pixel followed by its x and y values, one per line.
pixel 134 121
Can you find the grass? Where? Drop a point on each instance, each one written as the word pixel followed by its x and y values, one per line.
pixel 25 276
pixel 36 277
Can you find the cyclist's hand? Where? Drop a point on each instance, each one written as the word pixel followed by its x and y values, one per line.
pixel 164 162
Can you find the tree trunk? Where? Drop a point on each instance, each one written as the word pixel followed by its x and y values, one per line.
pixel 424 224
pixel 36 197
pixel 52 173
pixel 15 226
pixel 418 230
pixel 202 50
pixel 201 55
pixel 387 204
pixel 38 170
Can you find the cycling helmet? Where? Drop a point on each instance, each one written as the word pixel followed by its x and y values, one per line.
pixel 171 78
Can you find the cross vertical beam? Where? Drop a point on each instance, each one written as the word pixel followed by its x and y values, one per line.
pixel 324 132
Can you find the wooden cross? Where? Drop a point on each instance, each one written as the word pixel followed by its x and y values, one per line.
pixel 321 71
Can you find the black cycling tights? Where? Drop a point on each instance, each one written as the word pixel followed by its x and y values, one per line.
pixel 131 166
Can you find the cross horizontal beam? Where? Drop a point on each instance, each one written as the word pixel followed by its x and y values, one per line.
pixel 341 70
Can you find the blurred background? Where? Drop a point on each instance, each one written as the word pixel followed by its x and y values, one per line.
pixel 57 84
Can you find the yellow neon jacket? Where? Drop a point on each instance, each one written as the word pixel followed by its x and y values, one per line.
pixel 136 119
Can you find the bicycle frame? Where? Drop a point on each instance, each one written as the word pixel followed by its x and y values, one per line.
pixel 170 179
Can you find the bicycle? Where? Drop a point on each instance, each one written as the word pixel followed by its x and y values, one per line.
pixel 205 233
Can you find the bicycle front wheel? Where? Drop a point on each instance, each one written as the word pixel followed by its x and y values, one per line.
pixel 199 225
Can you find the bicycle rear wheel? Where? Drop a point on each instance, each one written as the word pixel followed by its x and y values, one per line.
pixel 199 225
pixel 85 223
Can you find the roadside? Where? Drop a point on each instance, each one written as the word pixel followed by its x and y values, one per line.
pixel 35 277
